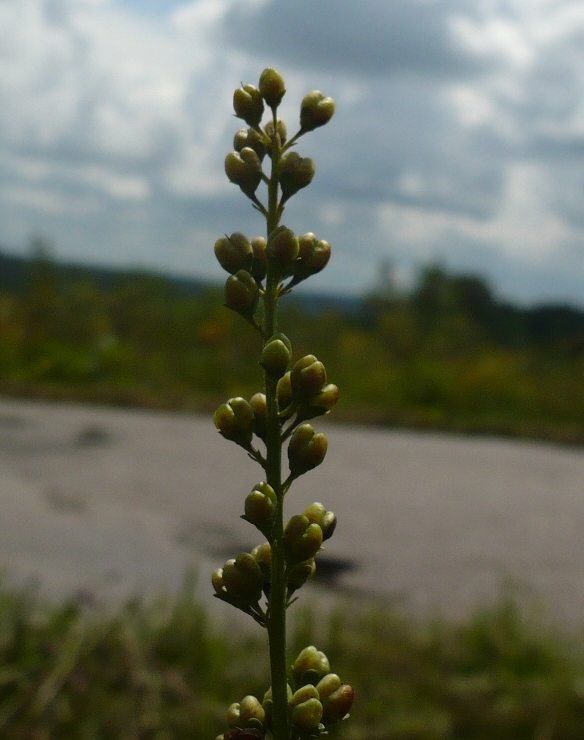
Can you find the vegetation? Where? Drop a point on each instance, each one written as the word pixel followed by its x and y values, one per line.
pixel 445 355
pixel 165 671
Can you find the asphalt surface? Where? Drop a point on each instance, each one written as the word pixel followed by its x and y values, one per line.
pixel 108 502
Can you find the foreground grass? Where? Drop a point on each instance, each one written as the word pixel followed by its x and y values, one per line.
pixel 161 671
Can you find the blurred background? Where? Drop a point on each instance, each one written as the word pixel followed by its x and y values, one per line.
pixel 449 184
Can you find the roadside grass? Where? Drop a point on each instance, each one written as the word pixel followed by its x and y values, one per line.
pixel 163 671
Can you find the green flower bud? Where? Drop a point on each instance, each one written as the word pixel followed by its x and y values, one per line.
pixel 259 265
pixel 310 661
pixel 271 130
pixel 251 712
pixel 326 520
pixel 243 578
pixel 234 252
pixel 320 404
pixel 327 398
pixel 262 554
pixel 306 716
pixel 315 111
pixel 275 357
pixel 306 449
pixel 299 574
pixel 260 507
pixel 308 378
pixel 336 697
pixel 303 694
pixel 272 87
pixel 282 249
pixel 259 407
pixel 313 256
pixel 235 420
pixel 242 293
pixel 284 391
pixel 233 715
pixel 302 539
pixel 244 169
pixel 249 137
pixel 248 104
pixel 217 581
pixel 296 172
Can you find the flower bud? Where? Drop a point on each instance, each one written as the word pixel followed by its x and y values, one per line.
pixel 262 554
pixel 242 293
pixel 284 391
pixel 310 661
pixel 235 420
pixel 244 169
pixel 234 252
pixel 243 578
pixel 327 398
pixel 308 377
pixel 320 404
pixel 272 87
pixel 251 712
pixel 313 256
pixel 299 574
pixel 303 694
pixel 249 137
pixel 259 265
pixel 282 248
pixel 259 407
pixel 296 172
pixel 260 507
pixel 302 539
pixel 315 111
pixel 306 716
pixel 233 715
pixel 326 520
pixel 275 357
pixel 306 449
pixel 248 104
pixel 271 130
pixel 217 581
pixel 336 697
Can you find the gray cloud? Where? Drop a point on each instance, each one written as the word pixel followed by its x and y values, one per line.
pixel 373 38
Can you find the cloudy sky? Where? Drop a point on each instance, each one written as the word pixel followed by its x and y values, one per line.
pixel 459 133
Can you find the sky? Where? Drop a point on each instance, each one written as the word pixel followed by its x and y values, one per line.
pixel 458 137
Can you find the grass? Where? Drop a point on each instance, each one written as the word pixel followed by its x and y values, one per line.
pixel 162 671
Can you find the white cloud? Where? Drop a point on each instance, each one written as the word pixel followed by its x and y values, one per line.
pixel 114 125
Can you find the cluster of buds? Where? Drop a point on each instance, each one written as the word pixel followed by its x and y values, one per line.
pixel 302 393
pixel 317 700
pixel 247 261
pixel 244 580
pixel 261 271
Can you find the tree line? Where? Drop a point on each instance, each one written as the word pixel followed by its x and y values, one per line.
pixel 446 354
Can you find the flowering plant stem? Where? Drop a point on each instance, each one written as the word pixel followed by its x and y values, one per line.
pixel 276 623
pixel 302 702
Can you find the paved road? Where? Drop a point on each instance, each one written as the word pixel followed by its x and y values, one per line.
pixel 111 501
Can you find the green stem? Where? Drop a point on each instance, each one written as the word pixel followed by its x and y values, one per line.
pixel 277 601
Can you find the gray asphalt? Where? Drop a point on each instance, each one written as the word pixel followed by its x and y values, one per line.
pixel 109 502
